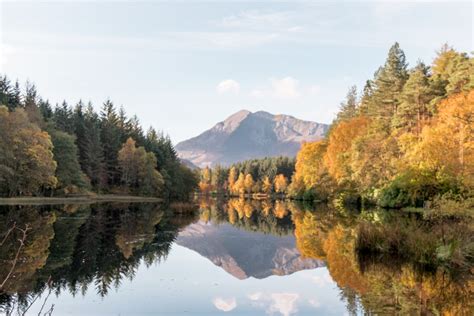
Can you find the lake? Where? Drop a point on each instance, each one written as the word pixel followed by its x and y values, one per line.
pixel 241 257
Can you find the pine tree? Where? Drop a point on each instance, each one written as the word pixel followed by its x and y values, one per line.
pixel 30 104
pixel 45 110
pixel 5 92
pixel 15 97
pixel 94 152
pixel 63 118
pixel 111 141
pixel 68 172
pixel 366 97
pixel 80 132
pixel 388 84
pixel 348 108
pixel 414 109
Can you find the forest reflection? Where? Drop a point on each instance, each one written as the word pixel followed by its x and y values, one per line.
pixel 76 248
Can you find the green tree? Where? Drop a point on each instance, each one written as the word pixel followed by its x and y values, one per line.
pixel 111 142
pixel 68 172
pixel 388 84
pixel 348 108
pixel 414 110
pixel 138 169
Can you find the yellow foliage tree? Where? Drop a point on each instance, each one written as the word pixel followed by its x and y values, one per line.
pixel 205 182
pixel 231 180
pixel 267 185
pixel 249 183
pixel 310 164
pixel 447 144
pixel 340 141
pixel 26 157
pixel 281 183
pixel 239 185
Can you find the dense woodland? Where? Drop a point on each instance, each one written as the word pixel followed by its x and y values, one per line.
pixel 64 150
pixel 407 138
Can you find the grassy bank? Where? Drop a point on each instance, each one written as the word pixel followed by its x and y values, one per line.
pixel 76 199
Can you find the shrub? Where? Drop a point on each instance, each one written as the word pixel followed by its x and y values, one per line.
pixel 414 188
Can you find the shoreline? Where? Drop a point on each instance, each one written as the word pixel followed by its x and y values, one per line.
pixel 29 200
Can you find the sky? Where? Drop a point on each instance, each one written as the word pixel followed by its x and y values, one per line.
pixel 182 66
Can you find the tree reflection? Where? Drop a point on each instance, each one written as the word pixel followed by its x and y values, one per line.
pixel 380 284
pixel 75 248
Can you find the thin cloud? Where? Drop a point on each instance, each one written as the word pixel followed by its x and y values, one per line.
pixel 284 88
pixel 228 86
pixel 255 19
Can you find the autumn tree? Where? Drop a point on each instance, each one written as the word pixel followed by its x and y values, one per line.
pixel 239 185
pixel 138 169
pixel 310 167
pixel 341 139
pixel 232 178
pixel 205 183
pixel 249 183
pixel 26 157
pixel 447 145
pixel 267 185
pixel 281 183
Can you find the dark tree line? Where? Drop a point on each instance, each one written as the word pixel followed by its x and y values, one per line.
pixel 85 146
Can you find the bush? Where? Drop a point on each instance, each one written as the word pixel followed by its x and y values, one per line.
pixel 414 188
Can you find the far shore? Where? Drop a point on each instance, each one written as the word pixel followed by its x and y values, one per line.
pixel 29 200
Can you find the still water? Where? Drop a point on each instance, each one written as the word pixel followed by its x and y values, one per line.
pixel 228 257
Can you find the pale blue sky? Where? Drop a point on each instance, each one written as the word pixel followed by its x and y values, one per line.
pixel 182 66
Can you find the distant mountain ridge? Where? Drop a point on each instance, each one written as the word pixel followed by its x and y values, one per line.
pixel 246 135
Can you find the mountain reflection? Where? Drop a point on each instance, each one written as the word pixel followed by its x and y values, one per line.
pixel 80 248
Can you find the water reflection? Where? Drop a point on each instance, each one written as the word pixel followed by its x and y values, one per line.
pixel 267 256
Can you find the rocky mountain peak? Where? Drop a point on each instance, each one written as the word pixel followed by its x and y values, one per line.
pixel 246 135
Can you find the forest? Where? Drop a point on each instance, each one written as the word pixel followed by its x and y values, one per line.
pixel 71 150
pixel 405 139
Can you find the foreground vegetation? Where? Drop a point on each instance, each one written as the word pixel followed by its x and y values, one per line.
pixel 46 151
pixel 407 139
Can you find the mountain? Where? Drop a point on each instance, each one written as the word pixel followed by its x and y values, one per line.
pixel 263 254
pixel 246 135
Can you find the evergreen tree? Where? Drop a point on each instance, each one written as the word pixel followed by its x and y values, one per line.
pixel 94 152
pixel 388 84
pixel 414 109
pixel 45 110
pixel 68 172
pixel 348 108
pixel 111 141
pixel 31 100
pixel 5 92
pixel 15 97
pixel 82 141
pixel 63 118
